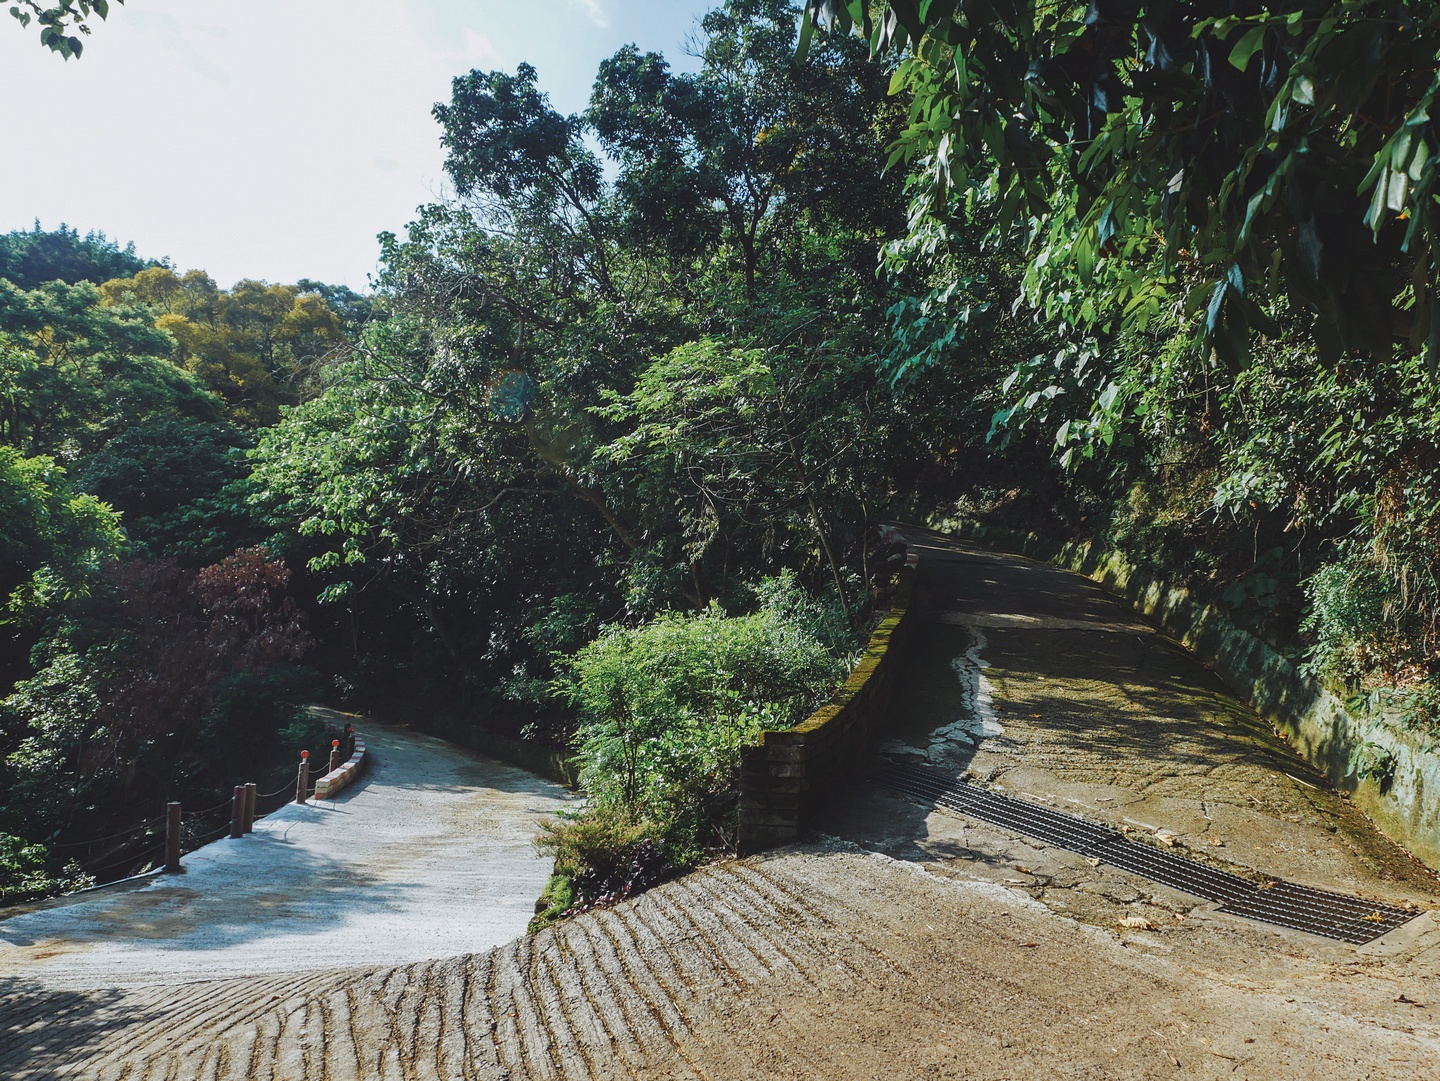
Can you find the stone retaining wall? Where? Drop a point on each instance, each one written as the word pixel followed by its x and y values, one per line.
pixel 1403 800
pixel 787 772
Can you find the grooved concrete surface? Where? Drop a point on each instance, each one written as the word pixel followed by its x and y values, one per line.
pixel 429 855
pixel 820 962
pixel 907 943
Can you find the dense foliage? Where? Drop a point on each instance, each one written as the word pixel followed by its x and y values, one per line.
pixel 1222 220
pixel 148 647
pixel 591 399
pixel 600 460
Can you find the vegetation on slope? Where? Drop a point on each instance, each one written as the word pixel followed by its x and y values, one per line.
pixel 614 430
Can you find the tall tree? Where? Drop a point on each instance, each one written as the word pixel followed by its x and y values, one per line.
pixel 728 153
pixel 30 258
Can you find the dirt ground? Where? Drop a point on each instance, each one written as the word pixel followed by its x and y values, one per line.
pixel 899 941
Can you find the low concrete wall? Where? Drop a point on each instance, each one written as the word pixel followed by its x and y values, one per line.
pixel 329 785
pixel 787 772
pixel 1405 805
pixel 538 758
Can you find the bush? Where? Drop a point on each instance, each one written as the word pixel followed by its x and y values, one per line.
pixel 1357 623
pixel 601 855
pixel 665 707
pixel 23 874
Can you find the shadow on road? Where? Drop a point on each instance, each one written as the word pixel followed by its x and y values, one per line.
pixel 41 1028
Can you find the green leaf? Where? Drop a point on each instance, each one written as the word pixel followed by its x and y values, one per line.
pixel 807 31
pixel 1249 43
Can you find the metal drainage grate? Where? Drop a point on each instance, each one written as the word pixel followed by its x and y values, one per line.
pixel 1300 908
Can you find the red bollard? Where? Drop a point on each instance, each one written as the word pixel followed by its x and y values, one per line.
pixel 334 755
pixel 302 782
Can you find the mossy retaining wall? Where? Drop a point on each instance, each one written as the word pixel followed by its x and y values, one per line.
pixel 787 772
pixel 1403 800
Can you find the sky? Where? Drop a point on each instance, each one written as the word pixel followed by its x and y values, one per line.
pixel 274 139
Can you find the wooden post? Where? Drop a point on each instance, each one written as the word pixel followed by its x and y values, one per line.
pixel 237 812
pixel 172 837
pixel 334 755
pixel 250 807
pixel 302 782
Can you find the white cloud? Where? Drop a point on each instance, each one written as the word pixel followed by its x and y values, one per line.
pixel 594 12
pixel 478 51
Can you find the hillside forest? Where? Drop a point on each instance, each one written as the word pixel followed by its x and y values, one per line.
pixel 599 461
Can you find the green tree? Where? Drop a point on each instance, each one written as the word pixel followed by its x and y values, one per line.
pixel 74 373
pixel 31 258
pixel 257 346
pixel 53 540
pixel 1178 156
pixel 736 151
pixel 741 446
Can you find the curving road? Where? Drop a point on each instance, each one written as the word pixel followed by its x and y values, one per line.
pixel 429 855
pixel 909 943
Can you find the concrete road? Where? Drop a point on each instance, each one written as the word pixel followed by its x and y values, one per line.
pixel 1038 683
pixel 430 855
pixel 908 944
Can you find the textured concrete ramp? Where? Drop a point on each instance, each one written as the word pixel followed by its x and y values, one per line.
pixel 430 855
pixel 821 962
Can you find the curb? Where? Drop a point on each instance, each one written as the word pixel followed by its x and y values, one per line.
pixel 340 777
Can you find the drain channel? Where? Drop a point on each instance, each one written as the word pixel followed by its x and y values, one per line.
pixel 1285 904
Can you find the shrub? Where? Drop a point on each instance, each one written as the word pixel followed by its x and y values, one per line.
pixel 665 707
pixel 596 853
pixel 1358 622
pixel 23 874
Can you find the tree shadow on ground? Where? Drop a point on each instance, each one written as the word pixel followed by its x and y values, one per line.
pixel 43 1030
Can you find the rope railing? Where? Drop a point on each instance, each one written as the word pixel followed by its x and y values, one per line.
pixel 179 838
pixel 128 858
pixel 101 840
pixel 205 839
pixel 208 811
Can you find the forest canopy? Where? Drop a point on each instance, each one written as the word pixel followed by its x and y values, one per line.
pixel 599 460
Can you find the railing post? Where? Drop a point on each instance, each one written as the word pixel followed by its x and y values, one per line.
pixel 172 837
pixel 302 782
pixel 237 812
pixel 334 755
pixel 250 807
